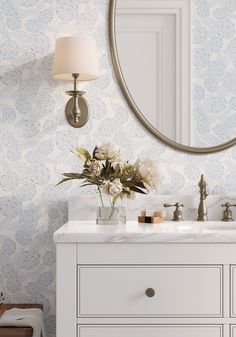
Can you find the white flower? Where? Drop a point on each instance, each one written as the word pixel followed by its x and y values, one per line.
pixel 126 166
pixel 95 167
pixel 148 171
pixel 113 187
pixel 108 151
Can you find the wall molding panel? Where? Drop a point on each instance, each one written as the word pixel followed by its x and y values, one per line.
pixel 174 122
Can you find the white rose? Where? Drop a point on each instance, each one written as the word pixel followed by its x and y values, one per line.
pixel 108 151
pixel 95 167
pixel 113 187
pixel 149 172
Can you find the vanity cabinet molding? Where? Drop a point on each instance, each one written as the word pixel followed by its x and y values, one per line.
pixel 151 331
pixel 66 290
pixel 233 290
pixel 233 331
pixel 176 291
pixel 102 286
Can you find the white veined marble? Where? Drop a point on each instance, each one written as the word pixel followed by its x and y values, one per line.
pixel 169 231
pixel 84 208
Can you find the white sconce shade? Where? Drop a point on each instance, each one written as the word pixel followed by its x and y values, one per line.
pixel 75 55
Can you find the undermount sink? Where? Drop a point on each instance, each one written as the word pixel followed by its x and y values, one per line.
pixel 187 227
pixel 227 226
pixel 207 226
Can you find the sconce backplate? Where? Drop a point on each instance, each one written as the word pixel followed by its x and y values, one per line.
pixel 84 111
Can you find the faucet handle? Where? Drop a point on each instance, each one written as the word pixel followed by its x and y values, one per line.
pixel 227 214
pixel 177 214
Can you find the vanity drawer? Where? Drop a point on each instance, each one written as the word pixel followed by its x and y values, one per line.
pixel 233 291
pixel 180 291
pixel 151 331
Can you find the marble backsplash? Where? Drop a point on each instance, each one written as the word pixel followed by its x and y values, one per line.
pixel 82 208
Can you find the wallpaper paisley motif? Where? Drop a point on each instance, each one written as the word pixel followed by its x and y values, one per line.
pixel 35 139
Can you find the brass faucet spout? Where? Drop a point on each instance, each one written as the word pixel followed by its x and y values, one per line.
pixel 202 208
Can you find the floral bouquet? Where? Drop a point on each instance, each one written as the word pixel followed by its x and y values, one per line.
pixel 113 176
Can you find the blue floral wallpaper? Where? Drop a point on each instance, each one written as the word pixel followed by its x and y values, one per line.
pixel 35 139
pixel 214 71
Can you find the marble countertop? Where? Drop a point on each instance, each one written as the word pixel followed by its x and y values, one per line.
pixel 168 231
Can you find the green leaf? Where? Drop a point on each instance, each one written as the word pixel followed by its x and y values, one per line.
pixel 137 190
pixel 73 175
pixel 117 171
pixel 87 184
pixel 94 152
pixel 140 184
pixel 83 154
pixel 64 180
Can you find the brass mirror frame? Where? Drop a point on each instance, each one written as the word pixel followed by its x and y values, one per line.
pixel 134 107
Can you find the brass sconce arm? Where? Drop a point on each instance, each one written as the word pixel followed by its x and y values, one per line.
pixel 77 110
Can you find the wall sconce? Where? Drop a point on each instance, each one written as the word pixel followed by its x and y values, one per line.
pixel 75 59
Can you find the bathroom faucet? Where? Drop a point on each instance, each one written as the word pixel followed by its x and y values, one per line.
pixel 177 215
pixel 202 208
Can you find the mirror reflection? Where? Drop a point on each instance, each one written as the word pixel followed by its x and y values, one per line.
pixel 178 62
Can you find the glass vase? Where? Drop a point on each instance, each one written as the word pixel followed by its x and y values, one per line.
pixel 109 214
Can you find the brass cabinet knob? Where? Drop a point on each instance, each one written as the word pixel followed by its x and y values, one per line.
pixel 150 292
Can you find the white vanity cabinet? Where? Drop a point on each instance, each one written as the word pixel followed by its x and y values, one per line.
pixel 140 281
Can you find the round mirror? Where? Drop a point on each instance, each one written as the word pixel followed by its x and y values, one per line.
pixel 181 87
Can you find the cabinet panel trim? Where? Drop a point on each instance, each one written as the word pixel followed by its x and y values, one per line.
pixel 205 326
pixel 221 296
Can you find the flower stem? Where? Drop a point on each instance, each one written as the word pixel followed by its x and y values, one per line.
pixel 112 210
pixel 100 194
pixel 111 203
